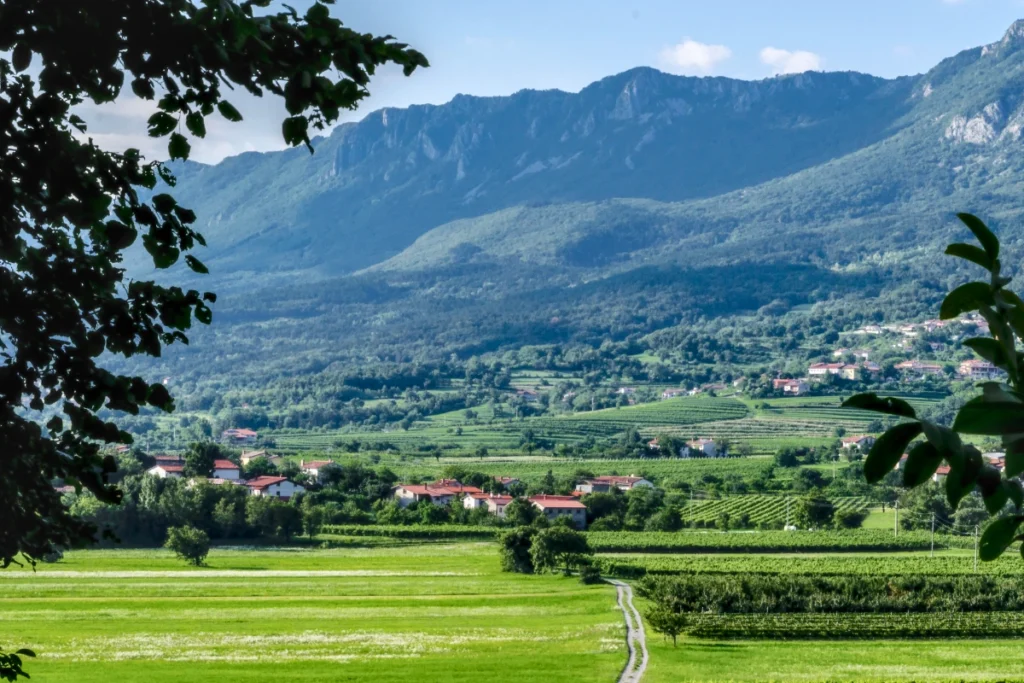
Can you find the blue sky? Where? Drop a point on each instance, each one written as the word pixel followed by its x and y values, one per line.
pixel 486 47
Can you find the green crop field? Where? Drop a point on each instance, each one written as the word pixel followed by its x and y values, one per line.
pixel 759 509
pixel 423 612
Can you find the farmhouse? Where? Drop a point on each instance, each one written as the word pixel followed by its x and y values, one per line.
pixel 861 442
pixel 916 367
pixel 701 448
pixel 225 469
pixel 441 492
pixel 313 467
pixel 238 436
pixel 819 370
pixel 507 481
pixel 978 369
pixel 164 471
pixel 554 507
pixel 940 474
pixel 495 503
pixel 274 487
pixel 672 393
pixel 248 456
pixel 794 387
pixel 608 482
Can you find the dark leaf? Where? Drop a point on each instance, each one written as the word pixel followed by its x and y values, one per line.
pixel 989 349
pixel 161 123
pixel 994 418
pixel 970 253
pixel 196 124
pixel 997 538
pixel 890 406
pixel 196 265
pixel 967 297
pixel 228 111
pixel 21 58
pixel 961 480
pixel 888 450
pixel 1015 458
pixel 988 240
pixel 921 464
pixel 143 88
pixel 178 147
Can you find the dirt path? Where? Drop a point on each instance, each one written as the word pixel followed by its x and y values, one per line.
pixel 636 639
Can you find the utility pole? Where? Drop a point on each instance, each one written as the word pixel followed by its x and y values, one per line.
pixel 896 523
pixel 933 535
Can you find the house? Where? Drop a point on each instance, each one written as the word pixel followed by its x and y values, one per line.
pixel 568 396
pixel 862 442
pixel 608 482
pixel 225 469
pixel 495 503
pixel 795 387
pixel 313 467
pixel 979 370
pixel 238 436
pixel 248 456
pixel 168 460
pixel 940 474
pixel 455 486
pixel 528 395
pixel 933 324
pixel 997 460
pixel 699 448
pixel 407 494
pixel 554 507
pixel 507 481
pixel 871 368
pixel 850 372
pixel 917 367
pixel 654 444
pixel 672 393
pixel 626 391
pixel 819 370
pixel 839 353
pixel 273 487
pixel 165 471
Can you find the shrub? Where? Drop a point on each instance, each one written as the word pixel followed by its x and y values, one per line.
pixel 590 574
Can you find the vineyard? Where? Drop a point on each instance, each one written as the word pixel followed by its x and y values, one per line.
pixel 759 509
pixel 841 626
pixel 768 541
pixel 942 564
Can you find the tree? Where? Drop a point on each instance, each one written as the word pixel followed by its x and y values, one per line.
pixel 199 459
pixel 189 544
pixel 850 519
pixel 520 512
pixel 514 549
pixel 666 621
pixel 548 484
pixel 997 412
pixel 69 211
pixel 559 546
pixel 668 519
pixel 815 512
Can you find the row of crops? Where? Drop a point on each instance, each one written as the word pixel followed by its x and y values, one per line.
pixel 760 509
pixel 856 626
pixel 630 565
pixel 862 540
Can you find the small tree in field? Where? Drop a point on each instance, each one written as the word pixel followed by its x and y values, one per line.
pixel 666 621
pixel 997 412
pixel 515 550
pixel 188 543
pixel 559 546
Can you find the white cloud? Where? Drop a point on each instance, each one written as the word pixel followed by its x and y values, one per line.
pixel 787 62
pixel 691 57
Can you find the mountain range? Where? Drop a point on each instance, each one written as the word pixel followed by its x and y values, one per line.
pixel 483 220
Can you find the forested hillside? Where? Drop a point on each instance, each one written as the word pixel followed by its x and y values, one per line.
pixel 645 202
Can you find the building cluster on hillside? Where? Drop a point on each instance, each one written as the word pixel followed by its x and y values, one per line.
pixel 451 492
pixel 697 448
pixel 996 460
pixel 226 472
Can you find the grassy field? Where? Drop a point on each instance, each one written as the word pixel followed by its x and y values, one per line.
pixel 425 613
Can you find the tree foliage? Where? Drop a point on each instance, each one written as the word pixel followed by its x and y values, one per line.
pixel 557 547
pixel 189 544
pixel 997 412
pixel 69 210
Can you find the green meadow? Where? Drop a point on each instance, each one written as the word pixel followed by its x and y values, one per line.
pixel 425 613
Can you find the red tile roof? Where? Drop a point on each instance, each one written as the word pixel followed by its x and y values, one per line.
pixel 557 502
pixel 264 481
pixel 316 464
pixel 224 465
pixel 242 433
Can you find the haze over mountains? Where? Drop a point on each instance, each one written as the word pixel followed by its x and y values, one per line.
pixel 640 192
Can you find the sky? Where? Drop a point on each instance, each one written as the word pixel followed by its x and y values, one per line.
pixel 487 47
